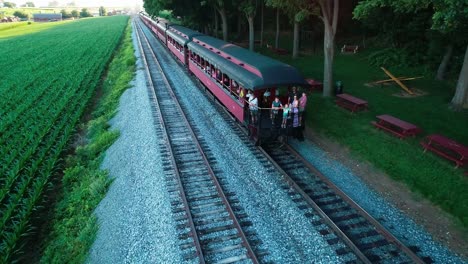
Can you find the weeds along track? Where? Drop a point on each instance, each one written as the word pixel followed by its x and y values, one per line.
pixel 209 228
pixel 368 239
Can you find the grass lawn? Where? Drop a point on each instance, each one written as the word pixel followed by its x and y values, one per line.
pixel 403 160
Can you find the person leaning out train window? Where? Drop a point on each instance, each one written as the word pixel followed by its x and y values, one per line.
pixel 241 95
pixel 235 86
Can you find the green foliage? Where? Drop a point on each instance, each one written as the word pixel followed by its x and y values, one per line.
pixel 102 11
pixel 65 14
pixel 74 224
pixel 39 110
pixel 75 13
pixel 9 4
pixel 420 30
pixel 85 13
pixel 21 14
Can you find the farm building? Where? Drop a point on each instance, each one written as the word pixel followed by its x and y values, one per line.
pixel 47 17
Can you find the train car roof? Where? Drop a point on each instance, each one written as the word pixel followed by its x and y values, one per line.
pixel 270 72
pixel 182 34
pixel 242 76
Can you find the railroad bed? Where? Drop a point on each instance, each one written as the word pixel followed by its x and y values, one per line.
pixel 369 239
pixel 275 217
pixel 209 228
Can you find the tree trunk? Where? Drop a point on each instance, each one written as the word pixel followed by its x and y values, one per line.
pixel 261 27
pixel 239 25
pixel 216 23
pixel 330 21
pixel 460 99
pixel 222 13
pixel 329 52
pixel 250 19
pixel 445 60
pixel 296 40
pixel 277 28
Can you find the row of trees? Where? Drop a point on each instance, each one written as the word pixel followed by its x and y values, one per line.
pixel 66 14
pixel 31 4
pixel 446 18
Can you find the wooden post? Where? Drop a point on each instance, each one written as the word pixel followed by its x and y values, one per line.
pixel 397 81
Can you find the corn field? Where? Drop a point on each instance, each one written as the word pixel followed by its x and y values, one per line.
pixel 46 81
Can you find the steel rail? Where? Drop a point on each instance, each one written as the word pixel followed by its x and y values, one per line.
pixel 236 224
pixel 166 139
pixel 380 228
pixel 317 208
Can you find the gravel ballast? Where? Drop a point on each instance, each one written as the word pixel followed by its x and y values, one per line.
pixel 284 230
pixel 134 218
pixel 402 226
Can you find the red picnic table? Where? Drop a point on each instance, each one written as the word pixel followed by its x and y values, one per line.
pixel 396 126
pixel 315 85
pixel 350 102
pixel 446 148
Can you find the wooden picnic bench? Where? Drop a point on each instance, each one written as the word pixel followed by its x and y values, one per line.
pixel 349 49
pixel 396 126
pixel 350 102
pixel 446 148
pixel 314 85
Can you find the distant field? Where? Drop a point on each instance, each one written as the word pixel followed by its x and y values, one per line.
pixel 47 80
pixel 28 10
pixel 8 30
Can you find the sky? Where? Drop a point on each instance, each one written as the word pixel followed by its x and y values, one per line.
pixel 84 3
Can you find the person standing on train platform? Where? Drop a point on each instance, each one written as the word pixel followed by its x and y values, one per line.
pixel 295 102
pixel 297 132
pixel 253 106
pixel 292 94
pixel 286 111
pixel 302 106
pixel 275 107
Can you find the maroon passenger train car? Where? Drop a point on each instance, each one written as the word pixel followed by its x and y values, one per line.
pixel 229 71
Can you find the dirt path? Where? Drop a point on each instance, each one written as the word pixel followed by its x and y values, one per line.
pixel 437 222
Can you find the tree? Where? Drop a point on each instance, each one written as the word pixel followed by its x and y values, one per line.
pixel 329 15
pixel 65 14
pixel 298 11
pixel 450 18
pixel 75 14
pixel 9 4
pixel 85 13
pixel 21 14
pixel 102 11
pixel 249 7
pixel 30 4
pixel 220 6
pixel 279 5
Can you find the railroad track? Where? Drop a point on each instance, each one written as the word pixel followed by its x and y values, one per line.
pixel 347 228
pixel 210 231
pixel 371 242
